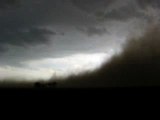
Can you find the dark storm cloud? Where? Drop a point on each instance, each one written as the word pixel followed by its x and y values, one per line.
pixel 2 49
pixel 8 3
pixel 40 29
pixel 137 65
pixel 118 10
pixel 146 3
pixel 26 22
pixel 92 5
pixel 123 13
pixel 21 25
pixel 22 37
pixel 91 31
pixel 96 31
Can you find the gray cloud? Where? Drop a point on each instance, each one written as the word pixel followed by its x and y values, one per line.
pixel 145 3
pixel 91 31
pixel 108 10
pixel 20 25
pixel 92 5
pixel 8 3
pixel 123 13
pixel 47 29
pixel 23 37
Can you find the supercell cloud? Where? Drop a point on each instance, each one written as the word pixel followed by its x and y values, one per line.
pixel 41 38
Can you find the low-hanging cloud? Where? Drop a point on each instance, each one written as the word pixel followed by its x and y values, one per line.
pixel 137 65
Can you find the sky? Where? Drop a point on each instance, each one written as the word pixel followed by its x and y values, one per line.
pixel 48 38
